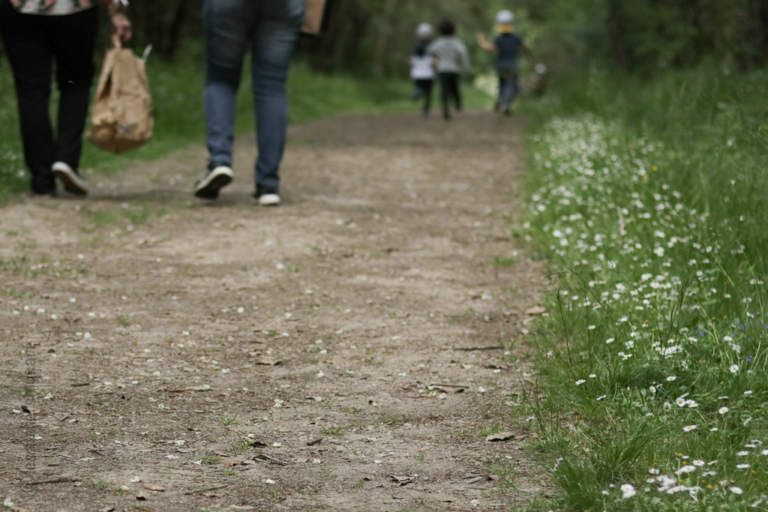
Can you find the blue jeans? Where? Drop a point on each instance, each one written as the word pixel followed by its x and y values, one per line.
pixel 270 28
pixel 508 87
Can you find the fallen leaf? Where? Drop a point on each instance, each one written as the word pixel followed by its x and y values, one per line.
pixel 402 480
pixel 153 487
pixel 448 389
pixel 334 362
pixel 142 497
pixel 212 495
pixel 256 444
pixel 314 441
pixel 536 310
pixel 185 450
pixel 267 360
pixel 501 436
pixel 241 507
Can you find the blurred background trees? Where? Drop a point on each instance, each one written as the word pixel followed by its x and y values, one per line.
pixel 373 37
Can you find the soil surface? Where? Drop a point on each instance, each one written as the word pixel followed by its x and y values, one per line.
pixel 348 350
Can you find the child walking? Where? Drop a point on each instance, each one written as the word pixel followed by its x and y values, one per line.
pixel 507 46
pixel 422 72
pixel 451 60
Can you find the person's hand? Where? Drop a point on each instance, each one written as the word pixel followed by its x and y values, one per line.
pixel 123 27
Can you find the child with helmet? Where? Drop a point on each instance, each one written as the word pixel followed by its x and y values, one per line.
pixel 507 47
pixel 422 68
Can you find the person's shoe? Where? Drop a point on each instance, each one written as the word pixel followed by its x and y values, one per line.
pixel 497 107
pixel 70 178
pixel 508 112
pixel 215 178
pixel 266 196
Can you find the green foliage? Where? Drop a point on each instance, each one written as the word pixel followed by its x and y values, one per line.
pixel 648 200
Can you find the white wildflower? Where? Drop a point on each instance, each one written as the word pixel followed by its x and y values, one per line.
pixel 628 490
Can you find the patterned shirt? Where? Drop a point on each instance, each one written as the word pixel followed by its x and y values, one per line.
pixel 62 7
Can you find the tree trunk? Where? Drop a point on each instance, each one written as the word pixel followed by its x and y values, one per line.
pixel 380 50
pixel 174 34
pixel 618 35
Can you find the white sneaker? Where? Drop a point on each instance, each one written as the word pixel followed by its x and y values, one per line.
pixel 215 178
pixel 71 180
pixel 269 200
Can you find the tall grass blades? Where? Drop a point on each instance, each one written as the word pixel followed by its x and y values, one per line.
pixel 654 348
pixel 12 169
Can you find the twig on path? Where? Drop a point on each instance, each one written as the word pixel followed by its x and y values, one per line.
pixel 315 441
pixel 59 480
pixel 271 459
pixel 206 489
pixel 469 349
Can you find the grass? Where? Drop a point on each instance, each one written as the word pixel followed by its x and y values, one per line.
pixel 227 421
pixel 485 432
pixel 99 485
pixel 502 262
pixel 649 201
pixel 24 391
pixel 240 446
pixel 177 91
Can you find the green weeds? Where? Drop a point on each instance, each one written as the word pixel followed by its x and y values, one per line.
pixel 651 211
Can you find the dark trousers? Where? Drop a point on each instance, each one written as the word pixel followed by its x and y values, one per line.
pixel 424 88
pixel 449 90
pixel 507 87
pixel 33 43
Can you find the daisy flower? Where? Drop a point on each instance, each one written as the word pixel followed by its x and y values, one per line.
pixel 628 490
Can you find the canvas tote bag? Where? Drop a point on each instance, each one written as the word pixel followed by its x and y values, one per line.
pixel 315 16
pixel 122 113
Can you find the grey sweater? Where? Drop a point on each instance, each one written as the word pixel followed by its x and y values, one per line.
pixel 451 54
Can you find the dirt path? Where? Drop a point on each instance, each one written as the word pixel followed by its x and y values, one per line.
pixel 167 334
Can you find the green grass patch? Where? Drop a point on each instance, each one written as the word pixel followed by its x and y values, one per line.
pixel 648 199
pixel 502 262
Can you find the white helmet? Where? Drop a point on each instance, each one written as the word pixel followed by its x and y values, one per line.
pixel 424 31
pixel 505 18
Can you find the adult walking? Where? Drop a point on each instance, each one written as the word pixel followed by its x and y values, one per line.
pixel 451 60
pixel 37 33
pixel 270 28
pixel 507 46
